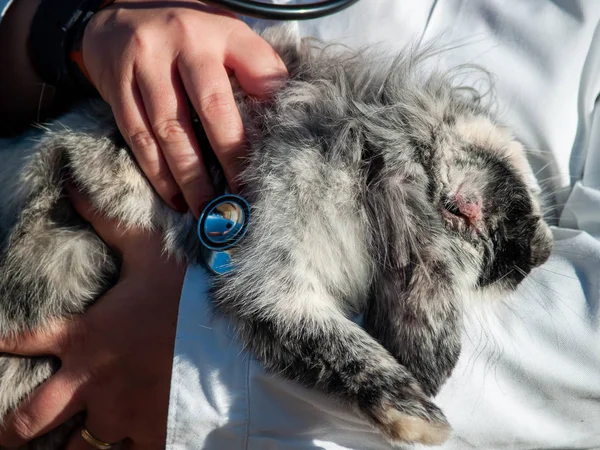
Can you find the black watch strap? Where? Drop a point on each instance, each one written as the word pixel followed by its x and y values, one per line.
pixel 55 34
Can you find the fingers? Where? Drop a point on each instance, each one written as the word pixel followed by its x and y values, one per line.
pixel 171 124
pixel 257 68
pixel 94 434
pixel 158 58
pixel 130 115
pixel 50 340
pixel 50 405
pixel 116 235
pixel 107 229
pixel 206 81
pixel 81 204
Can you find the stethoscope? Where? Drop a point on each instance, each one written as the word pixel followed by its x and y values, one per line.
pixel 224 221
pixel 271 11
pixel 222 224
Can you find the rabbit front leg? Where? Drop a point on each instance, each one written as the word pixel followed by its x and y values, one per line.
pixel 315 345
pixel 415 315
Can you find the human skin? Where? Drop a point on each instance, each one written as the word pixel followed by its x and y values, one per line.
pixel 116 359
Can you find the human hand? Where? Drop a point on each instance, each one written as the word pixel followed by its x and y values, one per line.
pixel 116 359
pixel 143 56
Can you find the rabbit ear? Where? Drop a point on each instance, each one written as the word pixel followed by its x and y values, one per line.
pixel 285 40
pixel 482 132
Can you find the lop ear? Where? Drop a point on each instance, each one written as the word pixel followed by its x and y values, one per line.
pixel 483 132
pixel 285 40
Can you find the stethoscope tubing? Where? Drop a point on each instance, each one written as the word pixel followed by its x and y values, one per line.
pixel 271 11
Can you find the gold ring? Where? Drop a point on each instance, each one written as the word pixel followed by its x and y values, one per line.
pixel 96 443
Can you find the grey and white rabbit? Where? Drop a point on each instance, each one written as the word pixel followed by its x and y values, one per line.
pixel 376 189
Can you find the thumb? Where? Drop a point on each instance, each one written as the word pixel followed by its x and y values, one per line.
pixel 49 340
pixel 109 229
pixel 257 67
pixel 134 244
pixel 83 205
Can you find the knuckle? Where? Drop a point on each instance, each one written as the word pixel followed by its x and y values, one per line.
pixel 75 337
pixel 188 175
pixel 170 130
pixel 180 21
pixel 139 40
pixel 98 376
pixel 123 72
pixel 157 173
pixel 217 104
pixel 238 30
pixel 11 346
pixel 23 426
pixel 141 140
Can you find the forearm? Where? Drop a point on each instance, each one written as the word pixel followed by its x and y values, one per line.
pixel 23 95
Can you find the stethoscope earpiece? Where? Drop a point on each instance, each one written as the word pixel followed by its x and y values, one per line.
pixel 222 224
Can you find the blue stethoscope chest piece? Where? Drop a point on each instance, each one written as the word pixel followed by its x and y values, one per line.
pixel 222 224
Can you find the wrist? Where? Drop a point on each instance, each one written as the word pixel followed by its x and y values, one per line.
pixel 55 41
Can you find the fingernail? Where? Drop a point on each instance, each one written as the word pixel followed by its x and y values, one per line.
pixel 203 204
pixel 180 204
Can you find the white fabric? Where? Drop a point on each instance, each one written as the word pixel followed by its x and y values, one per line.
pixel 222 399
pixel 529 375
